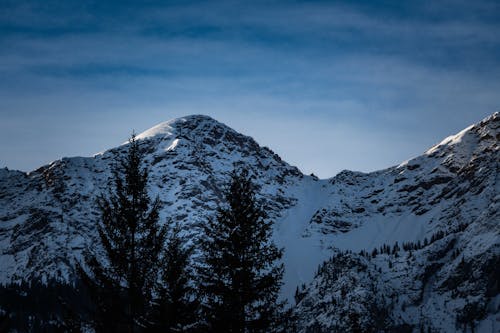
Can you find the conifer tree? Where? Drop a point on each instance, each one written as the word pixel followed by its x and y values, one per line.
pixel 176 306
pixel 241 277
pixel 132 240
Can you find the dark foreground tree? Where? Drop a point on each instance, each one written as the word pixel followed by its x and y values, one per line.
pixel 241 277
pixel 176 305
pixel 132 239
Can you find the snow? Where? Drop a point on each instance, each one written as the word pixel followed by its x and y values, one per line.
pixel 163 129
pixel 302 254
pixel 190 159
pixel 167 128
pixel 450 140
pixel 172 145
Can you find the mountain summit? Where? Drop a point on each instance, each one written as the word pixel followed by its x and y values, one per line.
pixel 437 213
pixel 175 126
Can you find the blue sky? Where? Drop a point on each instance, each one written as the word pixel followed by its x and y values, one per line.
pixel 328 85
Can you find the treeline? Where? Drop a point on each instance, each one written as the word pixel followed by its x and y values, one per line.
pixel 411 246
pixel 49 306
pixel 389 250
pixel 144 279
pixel 393 250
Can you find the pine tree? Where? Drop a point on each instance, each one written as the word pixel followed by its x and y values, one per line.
pixel 132 240
pixel 241 277
pixel 177 304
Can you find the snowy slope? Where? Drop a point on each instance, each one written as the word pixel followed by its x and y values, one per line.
pixel 452 183
pixel 442 286
pixel 47 217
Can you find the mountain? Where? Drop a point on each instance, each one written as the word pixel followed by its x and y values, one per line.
pixel 443 210
pixel 443 206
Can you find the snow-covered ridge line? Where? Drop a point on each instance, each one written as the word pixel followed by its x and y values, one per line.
pixel 451 140
pixel 168 128
pixel 47 217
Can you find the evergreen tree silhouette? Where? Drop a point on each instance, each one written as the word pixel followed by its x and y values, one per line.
pixel 176 306
pixel 132 240
pixel 241 277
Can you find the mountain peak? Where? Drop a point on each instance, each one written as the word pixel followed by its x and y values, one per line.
pixel 172 126
pixel 472 136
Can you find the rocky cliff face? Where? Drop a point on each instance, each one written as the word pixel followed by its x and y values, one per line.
pixel 449 195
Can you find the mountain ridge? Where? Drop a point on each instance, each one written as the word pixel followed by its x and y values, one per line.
pixel 47 219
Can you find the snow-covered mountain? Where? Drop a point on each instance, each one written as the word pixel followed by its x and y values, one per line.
pixel 442 210
pixel 449 196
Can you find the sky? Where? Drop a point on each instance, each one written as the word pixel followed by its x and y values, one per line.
pixel 328 85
